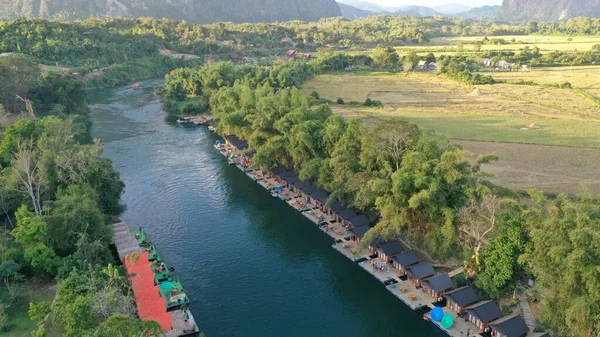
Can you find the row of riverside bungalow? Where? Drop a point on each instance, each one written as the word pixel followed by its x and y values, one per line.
pixel 484 316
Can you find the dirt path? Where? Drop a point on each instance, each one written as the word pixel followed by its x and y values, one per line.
pixel 551 169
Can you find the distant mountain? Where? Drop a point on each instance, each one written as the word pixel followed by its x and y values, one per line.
pixel 367 6
pixel 417 11
pixel 480 13
pixel 197 11
pixel 548 10
pixel 351 12
pixel 451 9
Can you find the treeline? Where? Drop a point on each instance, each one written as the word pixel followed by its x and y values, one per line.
pixel 97 43
pixel 534 57
pixel 414 188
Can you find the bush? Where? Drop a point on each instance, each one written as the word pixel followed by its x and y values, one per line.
pixel 315 95
pixel 340 100
pixel 370 102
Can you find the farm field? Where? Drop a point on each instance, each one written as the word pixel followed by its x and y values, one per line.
pixel 450 45
pixel 547 138
pixel 586 78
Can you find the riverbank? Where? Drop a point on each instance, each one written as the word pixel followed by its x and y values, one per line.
pixel 415 283
pixel 228 241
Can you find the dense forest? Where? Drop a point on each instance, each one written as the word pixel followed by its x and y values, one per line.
pixel 411 186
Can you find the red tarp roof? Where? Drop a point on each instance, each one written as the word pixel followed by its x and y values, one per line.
pixel 134 258
pixel 141 282
pixel 164 319
pixel 151 308
pixel 148 294
pixel 144 269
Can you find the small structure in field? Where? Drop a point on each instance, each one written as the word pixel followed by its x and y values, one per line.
pixel 291 54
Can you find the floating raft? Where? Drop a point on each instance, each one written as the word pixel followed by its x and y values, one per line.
pixel 158 296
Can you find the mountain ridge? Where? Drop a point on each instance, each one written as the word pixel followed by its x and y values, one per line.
pixel 196 11
pixel 548 10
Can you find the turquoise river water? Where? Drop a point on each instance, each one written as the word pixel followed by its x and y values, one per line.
pixel 252 265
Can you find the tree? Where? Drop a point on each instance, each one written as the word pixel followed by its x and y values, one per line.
pixel 26 169
pixel 18 75
pixel 501 264
pixel 31 232
pixel 385 56
pixel 9 271
pixel 478 220
pixel 75 214
pixel 410 61
pixel 565 259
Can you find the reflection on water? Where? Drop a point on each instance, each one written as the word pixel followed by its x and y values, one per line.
pixel 251 264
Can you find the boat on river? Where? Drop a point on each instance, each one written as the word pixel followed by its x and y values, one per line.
pixel 158 295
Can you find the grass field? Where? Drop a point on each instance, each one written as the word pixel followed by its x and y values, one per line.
pixel 585 78
pixel 487 113
pixel 18 318
pixel 547 138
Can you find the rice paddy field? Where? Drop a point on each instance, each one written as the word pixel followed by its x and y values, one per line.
pixel 448 45
pixel 516 121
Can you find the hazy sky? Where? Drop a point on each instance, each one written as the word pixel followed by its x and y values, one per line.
pixel 471 3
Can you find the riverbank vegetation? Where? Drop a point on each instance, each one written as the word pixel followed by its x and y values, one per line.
pixel 412 186
pixel 57 193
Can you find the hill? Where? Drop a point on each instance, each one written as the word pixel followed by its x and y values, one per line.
pixel 351 12
pixel 480 13
pixel 197 11
pixel 452 8
pixel 548 10
pixel 417 11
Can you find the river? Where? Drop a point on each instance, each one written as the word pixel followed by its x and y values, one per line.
pixel 251 265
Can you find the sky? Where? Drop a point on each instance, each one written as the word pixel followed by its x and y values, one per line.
pixel 430 3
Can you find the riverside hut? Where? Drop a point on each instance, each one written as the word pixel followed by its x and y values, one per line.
pixel 419 273
pixel 357 233
pixel 236 143
pixel 461 298
pixel 510 326
pixel 388 250
pixel 482 313
pixel 436 286
pixel 345 216
pixel 405 260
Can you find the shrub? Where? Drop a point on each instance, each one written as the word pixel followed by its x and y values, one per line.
pixel 340 101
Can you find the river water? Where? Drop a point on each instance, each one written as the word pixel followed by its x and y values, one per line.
pixel 252 265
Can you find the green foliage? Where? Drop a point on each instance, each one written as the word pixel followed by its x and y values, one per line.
pixel 501 266
pixel 18 75
pixel 565 259
pixel 385 57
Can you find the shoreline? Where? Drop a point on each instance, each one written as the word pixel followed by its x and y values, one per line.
pixel 415 296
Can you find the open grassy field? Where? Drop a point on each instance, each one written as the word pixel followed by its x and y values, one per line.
pixel 519 122
pixel 18 318
pixel 585 78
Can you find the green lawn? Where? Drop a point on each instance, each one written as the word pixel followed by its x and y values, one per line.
pixel 18 318
pixel 574 133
